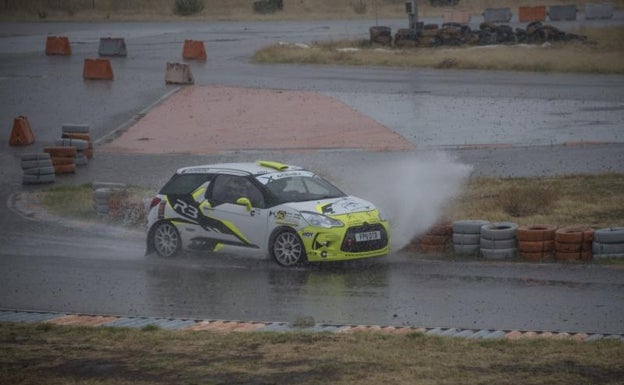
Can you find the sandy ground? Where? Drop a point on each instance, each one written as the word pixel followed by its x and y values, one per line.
pixel 213 119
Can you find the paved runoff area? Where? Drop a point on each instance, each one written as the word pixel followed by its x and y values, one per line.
pixel 214 119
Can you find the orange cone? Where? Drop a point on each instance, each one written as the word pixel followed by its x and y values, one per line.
pixel 194 50
pixel 97 69
pixel 58 45
pixel 21 134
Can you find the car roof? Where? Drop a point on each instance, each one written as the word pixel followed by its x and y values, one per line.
pixel 243 168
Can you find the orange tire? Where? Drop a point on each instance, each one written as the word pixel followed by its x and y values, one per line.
pixel 89 153
pixel 65 169
pixel 572 247
pixel 577 256
pixel 574 234
pixel 61 151
pixel 77 135
pixel 534 233
pixel 536 247
pixel 434 239
pixel 62 160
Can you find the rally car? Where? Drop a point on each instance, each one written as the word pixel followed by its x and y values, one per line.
pixel 292 213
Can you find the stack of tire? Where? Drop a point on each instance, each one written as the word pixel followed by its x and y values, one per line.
pixel 574 243
pixel 80 132
pixel 467 236
pixel 37 168
pixel 380 35
pixel 608 243
pixel 436 239
pixel 63 159
pixel 498 240
pixel 536 243
pixel 80 145
pixel 102 193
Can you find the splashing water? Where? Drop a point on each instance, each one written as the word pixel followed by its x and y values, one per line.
pixel 411 192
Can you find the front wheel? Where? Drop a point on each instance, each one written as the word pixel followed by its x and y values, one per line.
pixel 287 248
pixel 166 239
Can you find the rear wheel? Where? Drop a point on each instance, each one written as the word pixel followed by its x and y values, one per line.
pixel 287 248
pixel 166 239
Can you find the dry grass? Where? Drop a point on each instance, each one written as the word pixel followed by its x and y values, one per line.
pixel 594 200
pixel 603 53
pixel 242 9
pixel 68 355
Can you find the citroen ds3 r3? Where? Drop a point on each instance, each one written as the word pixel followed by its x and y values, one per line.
pixel 293 214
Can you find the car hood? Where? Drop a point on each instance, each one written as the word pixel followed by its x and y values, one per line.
pixel 335 206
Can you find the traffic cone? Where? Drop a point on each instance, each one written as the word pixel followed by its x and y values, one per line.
pixel 21 134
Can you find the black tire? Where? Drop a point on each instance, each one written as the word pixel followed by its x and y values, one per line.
pixel 36 163
pixel 466 239
pixel 609 235
pixel 42 170
pixel 607 248
pixel 75 128
pixel 499 231
pixel 469 226
pixel 67 142
pixel 498 244
pixel 286 248
pixel 498 254
pixel 38 179
pixel 165 239
pixel 36 156
pixel 466 249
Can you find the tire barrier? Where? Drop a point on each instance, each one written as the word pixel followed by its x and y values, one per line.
pixel 114 201
pixel 37 168
pixel 562 12
pixel 380 35
pixel 57 45
pixel 498 240
pixel 459 17
pixel 455 34
pixel 102 195
pixel 81 147
pixel 194 50
pixel 112 46
pixel 536 242
pixel 436 239
pixel 467 235
pixel 595 11
pixel 608 242
pixel 97 69
pixel 80 132
pixel 497 15
pixel 63 159
pixel 21 133
pixel 574 243
pixel 179 73
pixel 529 14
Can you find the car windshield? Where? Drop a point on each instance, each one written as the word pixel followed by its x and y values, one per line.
pixel 299 186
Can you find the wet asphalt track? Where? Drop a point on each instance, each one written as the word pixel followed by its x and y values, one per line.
pixel 528 117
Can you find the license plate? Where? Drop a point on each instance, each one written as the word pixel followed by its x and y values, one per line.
pixel 368 236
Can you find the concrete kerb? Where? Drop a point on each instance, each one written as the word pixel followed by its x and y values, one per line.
pixel 221 326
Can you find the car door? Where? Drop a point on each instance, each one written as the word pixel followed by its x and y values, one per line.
pixel 240 224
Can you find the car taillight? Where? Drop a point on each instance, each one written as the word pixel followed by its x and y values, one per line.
pixel 155 201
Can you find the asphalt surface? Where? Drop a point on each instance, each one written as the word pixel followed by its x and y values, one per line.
pixel 471 123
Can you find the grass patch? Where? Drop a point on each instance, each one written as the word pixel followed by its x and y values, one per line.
pixel 125 356
pixel 604 53
pixel 594 200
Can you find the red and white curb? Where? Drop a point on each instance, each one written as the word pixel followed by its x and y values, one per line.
pixel 220 326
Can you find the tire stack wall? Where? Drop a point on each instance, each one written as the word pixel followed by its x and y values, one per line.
pixel 467 236
pixel 80 145
pixel 608 243
pixel 436 239
pixel 63 158
pixel 574 243
pixel 102 193
pixel 536 242
pixel 81 132
pixel 37 168
pixel 498 240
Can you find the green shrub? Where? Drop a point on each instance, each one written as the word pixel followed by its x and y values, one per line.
pixel 188 7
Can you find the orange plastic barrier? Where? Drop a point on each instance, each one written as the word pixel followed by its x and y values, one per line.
pixel 97 69
pixel 57 45
pixel 194 50
pixel 527 14
pixel 21 134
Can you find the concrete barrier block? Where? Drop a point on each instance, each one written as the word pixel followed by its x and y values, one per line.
pixel 562 12
pixel 497 15
pixel 179 73
pixel 460 17
pixel 112 46
pixel 528 14
pixel 598 11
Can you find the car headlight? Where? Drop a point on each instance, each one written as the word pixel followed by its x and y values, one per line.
pixel 319 220
pixel 382 215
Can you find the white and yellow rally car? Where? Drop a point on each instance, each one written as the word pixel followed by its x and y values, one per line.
pixel 292 213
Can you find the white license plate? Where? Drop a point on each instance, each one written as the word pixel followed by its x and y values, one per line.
pixel 368 236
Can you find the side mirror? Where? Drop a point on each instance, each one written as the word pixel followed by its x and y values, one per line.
pixel 244 202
